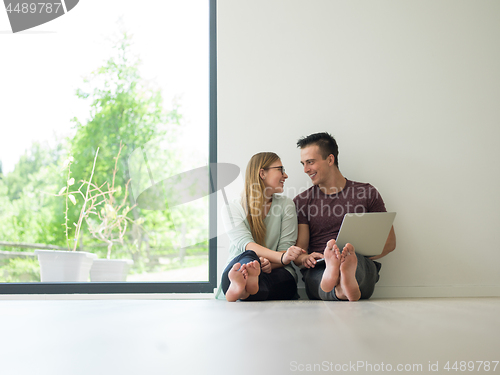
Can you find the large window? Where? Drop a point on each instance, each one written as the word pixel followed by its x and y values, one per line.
pixel 108 134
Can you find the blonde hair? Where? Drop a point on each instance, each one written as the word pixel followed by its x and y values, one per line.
pixel 253 195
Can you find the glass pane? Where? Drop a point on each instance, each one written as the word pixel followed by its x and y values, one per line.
pixel 105 145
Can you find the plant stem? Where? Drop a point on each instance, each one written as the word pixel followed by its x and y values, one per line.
pixel 66 213
pixel 78 227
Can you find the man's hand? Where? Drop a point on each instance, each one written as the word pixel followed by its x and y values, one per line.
pixel 309 261
pixel 384 253
pixel 265 265
pixel 292 253
pixel 389 246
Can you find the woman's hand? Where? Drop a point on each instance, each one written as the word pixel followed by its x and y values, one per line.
pixel 265 265
pixel 292 253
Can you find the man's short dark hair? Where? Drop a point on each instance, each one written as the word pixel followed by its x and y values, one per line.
pixel 326 143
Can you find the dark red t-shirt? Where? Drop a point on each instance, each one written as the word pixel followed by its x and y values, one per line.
pixel 324 213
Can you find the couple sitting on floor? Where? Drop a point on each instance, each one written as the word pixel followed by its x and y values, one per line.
pixel 268 232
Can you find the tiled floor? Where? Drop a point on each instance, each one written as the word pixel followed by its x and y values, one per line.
pixel 214 337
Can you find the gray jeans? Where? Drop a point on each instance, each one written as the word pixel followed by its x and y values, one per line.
pixel 366 276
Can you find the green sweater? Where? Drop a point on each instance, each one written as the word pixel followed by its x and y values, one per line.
pixel 281 229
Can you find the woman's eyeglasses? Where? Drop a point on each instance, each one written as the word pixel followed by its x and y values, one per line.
pixel 282 169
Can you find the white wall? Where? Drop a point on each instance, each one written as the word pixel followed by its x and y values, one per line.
pixel 410 90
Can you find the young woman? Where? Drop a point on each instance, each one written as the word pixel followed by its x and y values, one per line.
pixel 262 230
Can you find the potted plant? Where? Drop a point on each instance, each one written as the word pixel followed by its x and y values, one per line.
pixel 109 223
pixel 71 265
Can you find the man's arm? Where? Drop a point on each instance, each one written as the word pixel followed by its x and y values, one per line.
pixel 389 246
pixel 305 260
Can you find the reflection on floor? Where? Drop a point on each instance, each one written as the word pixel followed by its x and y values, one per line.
pixel 215 337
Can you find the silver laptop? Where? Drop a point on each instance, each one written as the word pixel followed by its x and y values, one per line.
pixel 367 232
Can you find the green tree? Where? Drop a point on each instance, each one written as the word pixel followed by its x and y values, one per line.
pixel 37 157
pixel 123 109
pixel 28 210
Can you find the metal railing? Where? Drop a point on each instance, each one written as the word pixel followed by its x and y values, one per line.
pixel 25 254
pixel 36 246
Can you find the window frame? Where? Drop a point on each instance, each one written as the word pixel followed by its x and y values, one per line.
pixel 156 287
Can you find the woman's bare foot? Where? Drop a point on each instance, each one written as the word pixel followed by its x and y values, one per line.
pixel 331 275
pixel 238 280
pixel 348 287
pixel 253 269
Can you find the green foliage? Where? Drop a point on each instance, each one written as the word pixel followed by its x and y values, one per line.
pixel 123 108
pixel 7 230
pixel 28 210
pixel 38 157
pixel 21 270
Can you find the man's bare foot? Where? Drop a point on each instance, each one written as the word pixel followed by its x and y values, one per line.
pixel 331 275
pixel 236 289
pixel 253 269
pixel 348 287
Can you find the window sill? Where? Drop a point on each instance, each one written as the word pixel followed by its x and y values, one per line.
pixel 146 296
